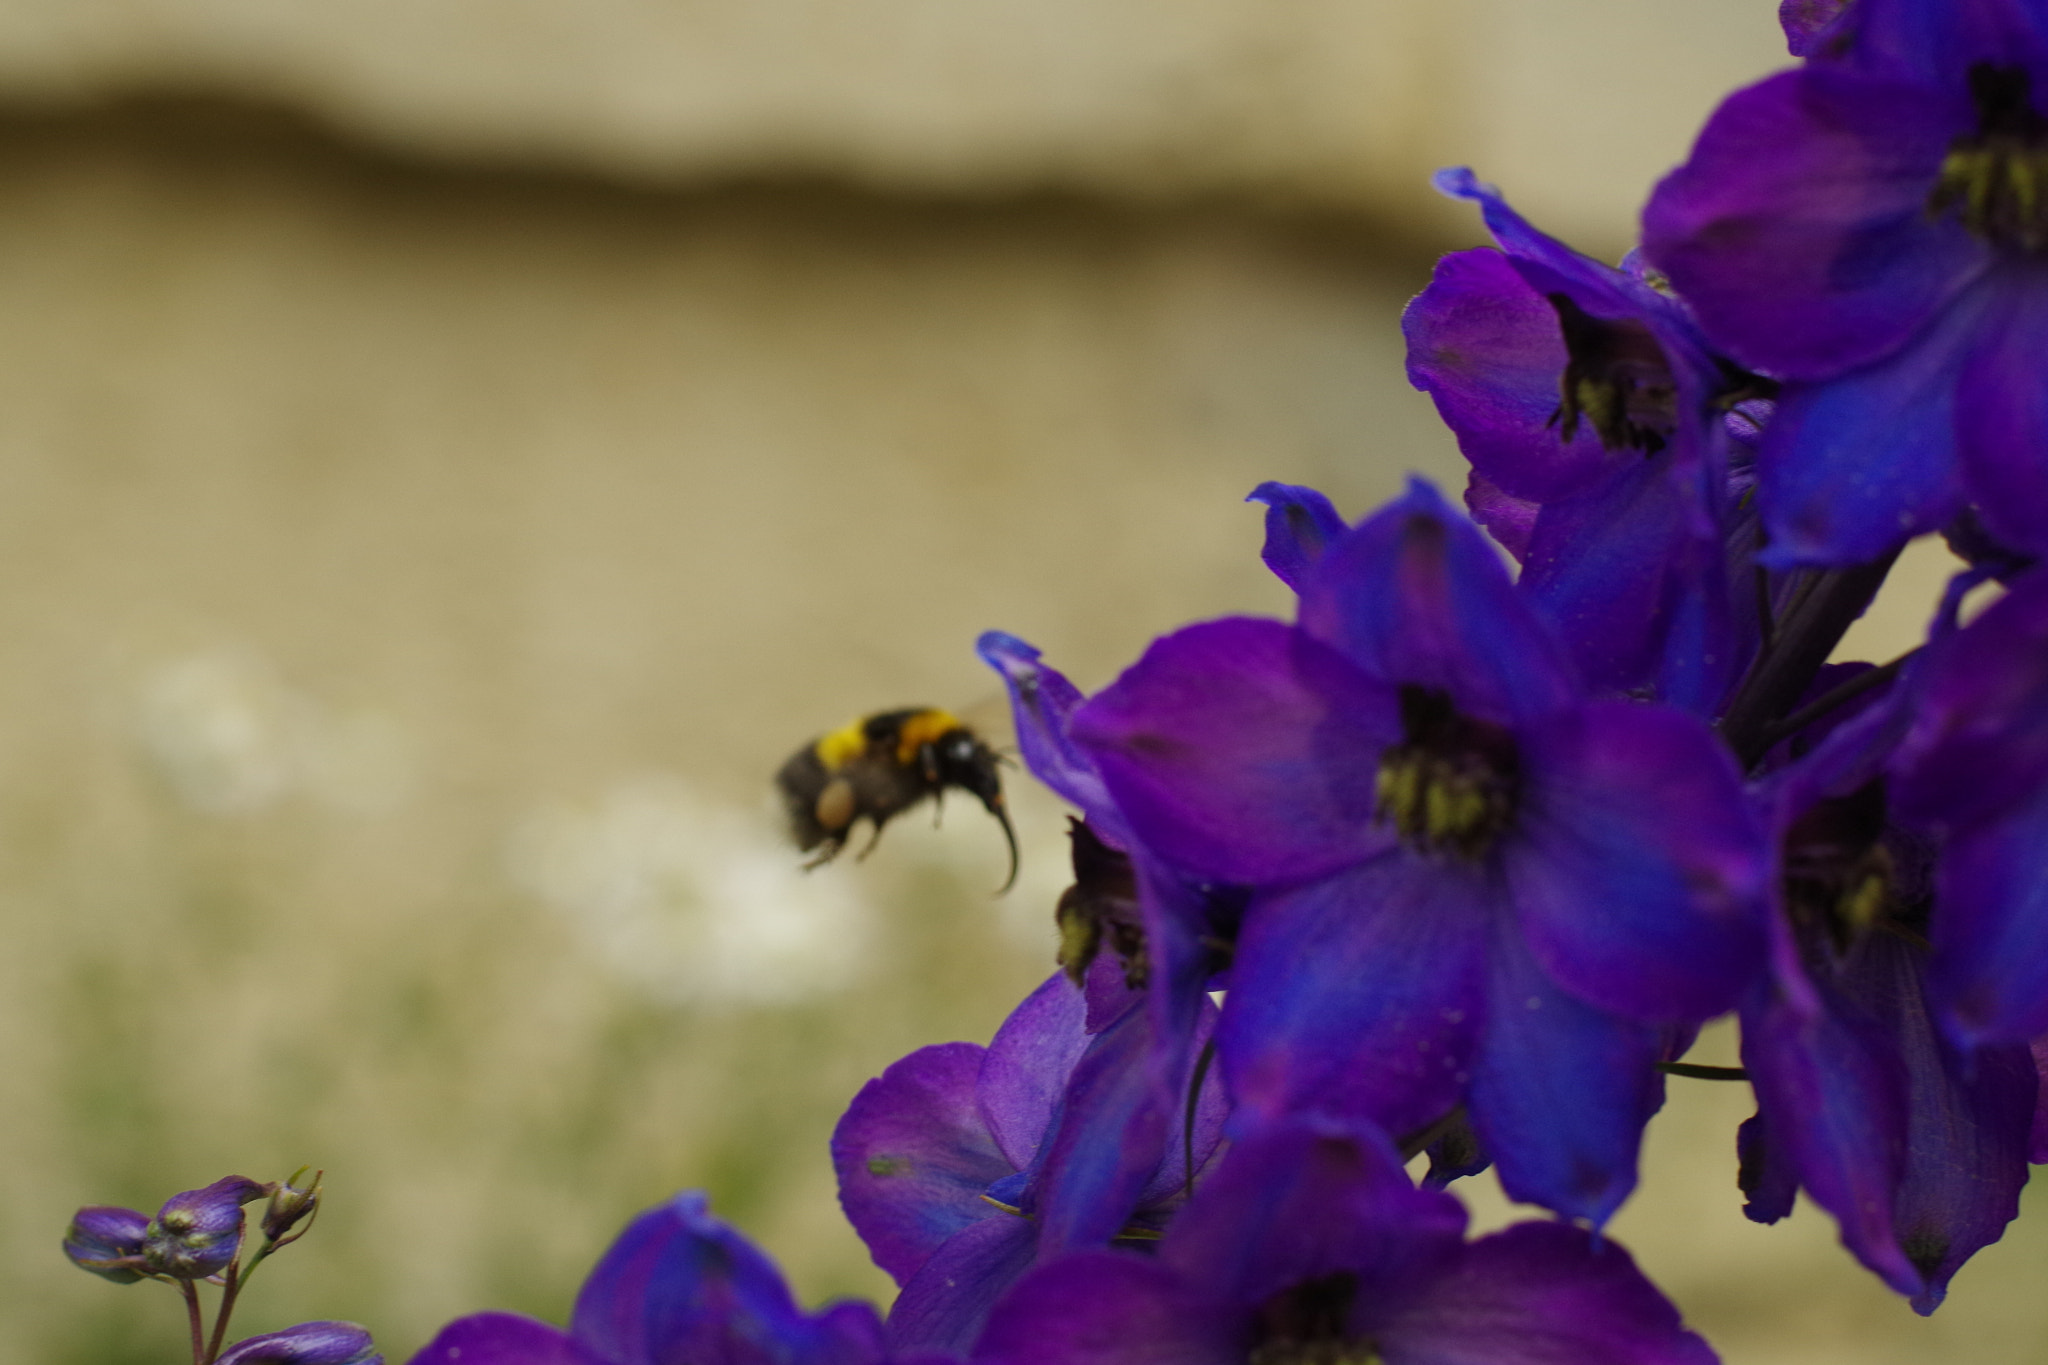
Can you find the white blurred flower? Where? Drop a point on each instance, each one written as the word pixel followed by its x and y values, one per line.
pixel 229 737
pixel 691 899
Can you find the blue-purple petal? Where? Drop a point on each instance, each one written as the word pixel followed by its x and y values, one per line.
pixel 1360 996
pixel 502 1339
pixel 1989 976
pixel 946 1303
pixel 1027 1066
pixel 1798 230
pixel 1242 751
pixel 1832 1098
pixel 1302 1200
pixel 1300 524
pixel 913 1155
pixel 1561 1091
pixel 1978 748
pixel 1111 1308
pixel 1635 587
pixel 1540 1294
pixel 1488 349
pixel 1854 466
pixel 1415 596
pixel 1043 702
pixel 1108 1140
pixel 2002 410
pixel 1637 866
pixel 679 1285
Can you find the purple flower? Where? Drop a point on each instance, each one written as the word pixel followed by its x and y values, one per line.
pixel 309 1343
pixel 1918 1151
pixel 1596 420
pixel 108 1242
pixel 1972 773
pixel 197 1233
pixel 1866 230
pixel 677 1288
pixel 961 1166
pixel 1185 923
pixel 1300 524
pixel 1471 885
pixel 1814 28
pixel 1311 1245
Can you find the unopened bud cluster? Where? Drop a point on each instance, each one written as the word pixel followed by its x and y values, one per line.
pixel 199 1236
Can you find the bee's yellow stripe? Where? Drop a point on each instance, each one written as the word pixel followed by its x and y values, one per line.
pixel 920 730
pixel 843 745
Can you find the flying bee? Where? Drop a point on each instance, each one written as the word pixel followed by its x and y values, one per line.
pixel 879 766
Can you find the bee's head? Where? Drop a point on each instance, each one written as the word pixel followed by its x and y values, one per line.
pixel 967 763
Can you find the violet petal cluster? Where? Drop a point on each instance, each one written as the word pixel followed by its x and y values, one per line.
pixel 1311 1244
pixel 1472 884
pixel 1861 229
pixel 961 1167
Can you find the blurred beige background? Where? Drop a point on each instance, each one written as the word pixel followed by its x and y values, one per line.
pixel 449 454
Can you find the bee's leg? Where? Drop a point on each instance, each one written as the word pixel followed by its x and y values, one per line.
pixel 938 805
pixel 874 837
pixel 827 851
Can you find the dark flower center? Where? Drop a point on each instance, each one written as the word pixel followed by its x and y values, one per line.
pixel 1306 1325
pixel 1450 784
pixel 1100 910
pixel 1616 380
pixel 1841 880
pixel 1995 178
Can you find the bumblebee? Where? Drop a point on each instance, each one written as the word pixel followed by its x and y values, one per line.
pixel 880 766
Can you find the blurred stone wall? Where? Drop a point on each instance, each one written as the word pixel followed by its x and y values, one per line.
pixel 451 452
pixel 1573 105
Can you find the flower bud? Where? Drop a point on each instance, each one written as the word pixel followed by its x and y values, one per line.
pixel 197 1233
pixel 310 1343
pixel 291 1202
pixel 107 1241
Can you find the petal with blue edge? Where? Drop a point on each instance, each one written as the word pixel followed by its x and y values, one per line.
pixel 1241 751
pixel 1798 230
pixel 1300 524
pixel 1108 1308
pixel 1636 865
pixel 913 1155
pixel 1414 595
pixel 1561 1091
pixel 1540 1294
pixel 1360 995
